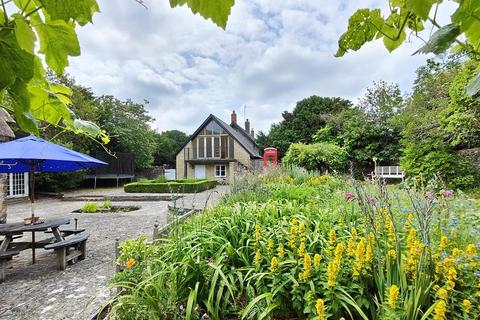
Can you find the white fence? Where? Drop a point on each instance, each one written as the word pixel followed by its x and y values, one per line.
pixel 389 172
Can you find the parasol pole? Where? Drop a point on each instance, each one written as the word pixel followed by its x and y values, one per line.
pixel 31 180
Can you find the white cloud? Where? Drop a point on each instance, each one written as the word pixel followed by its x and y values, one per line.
pixel 272 54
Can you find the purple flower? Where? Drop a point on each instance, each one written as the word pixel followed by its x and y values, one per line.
pixel 446 193
pixel 372 201
pixel 349 196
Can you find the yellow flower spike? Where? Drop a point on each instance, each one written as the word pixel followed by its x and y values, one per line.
pixel 320 307
pixel 273 264
pixel 359 257
pixel 307 266
pixel 440 310
pixel 257 234
pixel 392 253
pixel 316 260
pixel 351 247
pixel 354 233
pixel 281 251
pixel 334 265
pixel 130 263
pixel 471 250
pixel 270 246
pixel 456 253
pixel 301 249
pixel 258 258
pixel 368 257
pixel 303 232
pixel 393 293
pixel 467 305
pixel 293 234
pixel 442 293
pixel 443 242
pixel 332 238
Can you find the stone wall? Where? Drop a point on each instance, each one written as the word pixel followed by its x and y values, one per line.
pixel 3 204
pixel 473 155
pixel 150 173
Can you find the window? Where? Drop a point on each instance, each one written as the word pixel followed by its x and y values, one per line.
pixel 213 143
pixel 220 171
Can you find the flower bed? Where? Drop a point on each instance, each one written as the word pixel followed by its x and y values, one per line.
pixel 172 186
pixel 316 248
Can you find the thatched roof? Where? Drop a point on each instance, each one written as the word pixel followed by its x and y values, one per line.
pixel 5 130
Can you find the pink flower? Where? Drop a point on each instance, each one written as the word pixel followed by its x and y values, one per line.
pixel 372 201
pixel 446 193
pixel 350 196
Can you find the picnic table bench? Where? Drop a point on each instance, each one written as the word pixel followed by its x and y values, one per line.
pixel 69 245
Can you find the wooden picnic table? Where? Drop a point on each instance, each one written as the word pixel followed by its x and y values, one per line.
pixel 13 230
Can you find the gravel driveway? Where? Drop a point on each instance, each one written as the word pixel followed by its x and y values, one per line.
pixel 40 291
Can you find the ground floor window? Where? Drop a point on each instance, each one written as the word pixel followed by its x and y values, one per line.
pixel 220 171
pixel 17 185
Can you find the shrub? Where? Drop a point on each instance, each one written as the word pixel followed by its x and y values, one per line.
pixel 107 204
pixel 173 186
pixel 90 207
pixel 161 179
pixel 318 156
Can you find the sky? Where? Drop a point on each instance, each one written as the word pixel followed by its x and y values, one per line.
pixel 272 54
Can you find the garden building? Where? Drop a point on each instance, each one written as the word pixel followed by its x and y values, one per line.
pixel 218 150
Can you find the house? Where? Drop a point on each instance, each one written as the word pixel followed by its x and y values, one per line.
pixel 6 134
pixel 218 150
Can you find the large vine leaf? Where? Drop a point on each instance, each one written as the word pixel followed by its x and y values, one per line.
pixel 79 10
pixel 20 98
pixel 216 10
pixel 421 8
pixel 24 34
pixel 58 40
pixel 363 26
pixel 467 18
pixel 441 40
pixel 15 63
pixel 473 87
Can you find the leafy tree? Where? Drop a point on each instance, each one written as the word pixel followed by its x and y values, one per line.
pixel 168 145
pixel 437 105
pixel 302 123
pixel 128 124
pixel 410 17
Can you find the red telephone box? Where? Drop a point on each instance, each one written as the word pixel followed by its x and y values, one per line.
pixel 270 157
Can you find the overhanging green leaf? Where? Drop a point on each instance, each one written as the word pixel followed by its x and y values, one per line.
pixel 80 11
pixel 58 40
pixel 473 87
pixel 441 40
pixel 24 34
pixel 217 11
pixel 421 8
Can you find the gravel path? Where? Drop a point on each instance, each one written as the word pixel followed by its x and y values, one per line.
pixel 40 291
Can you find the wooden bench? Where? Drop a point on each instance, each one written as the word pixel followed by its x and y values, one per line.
pixel 68 250
pixel 4 257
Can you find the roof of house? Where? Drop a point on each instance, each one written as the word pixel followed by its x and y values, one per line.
pixel 5 118
pixel 241 137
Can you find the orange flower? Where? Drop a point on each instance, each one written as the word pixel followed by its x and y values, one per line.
pixel 129 263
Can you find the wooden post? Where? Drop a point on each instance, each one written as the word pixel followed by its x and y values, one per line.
pixel 117 254
pixel 61 258
pixel 155 232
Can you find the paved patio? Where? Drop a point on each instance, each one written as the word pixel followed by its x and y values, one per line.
pixel 40 291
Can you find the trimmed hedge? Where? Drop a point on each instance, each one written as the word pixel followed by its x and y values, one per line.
pixel 172 186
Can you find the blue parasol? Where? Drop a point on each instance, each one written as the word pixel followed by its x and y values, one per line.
pixel 32 154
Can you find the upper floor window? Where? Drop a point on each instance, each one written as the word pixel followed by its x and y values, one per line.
pixel 213 142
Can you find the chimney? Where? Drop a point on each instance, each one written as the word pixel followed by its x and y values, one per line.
pixel 233 117
pixel 252 133
pixel 247 125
